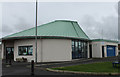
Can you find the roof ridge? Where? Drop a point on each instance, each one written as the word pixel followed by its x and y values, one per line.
pixel 65 20
pixel 83 31
pixel 75 29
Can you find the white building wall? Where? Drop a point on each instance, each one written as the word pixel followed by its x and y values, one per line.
pixel 56 50
pixel 105 51
pixel 26 42
pixel 97 48
pixel 88 50
pixel 39 44
pixel 48 50
pixel 52 49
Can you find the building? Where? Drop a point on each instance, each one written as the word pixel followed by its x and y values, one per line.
pixel 60 40
pixel 103 48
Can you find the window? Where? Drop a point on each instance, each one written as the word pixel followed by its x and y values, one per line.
pixel 25 50
pixel 79 49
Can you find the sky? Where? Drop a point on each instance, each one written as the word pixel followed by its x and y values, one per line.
pixel 97 19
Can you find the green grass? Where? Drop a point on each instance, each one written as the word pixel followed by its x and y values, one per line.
pixel 94 67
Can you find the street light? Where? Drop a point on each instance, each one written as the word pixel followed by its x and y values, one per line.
pixel 36 35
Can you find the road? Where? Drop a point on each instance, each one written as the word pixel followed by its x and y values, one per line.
pixel 22 68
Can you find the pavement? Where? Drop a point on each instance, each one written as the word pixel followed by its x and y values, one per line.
pixel 77 62
pixel 23 68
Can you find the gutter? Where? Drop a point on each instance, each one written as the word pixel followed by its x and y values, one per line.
pixel 49 37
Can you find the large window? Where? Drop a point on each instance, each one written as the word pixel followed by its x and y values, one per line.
pixel 25 50
pixel 79 49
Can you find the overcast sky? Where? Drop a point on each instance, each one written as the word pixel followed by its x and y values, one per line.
pixel 97 19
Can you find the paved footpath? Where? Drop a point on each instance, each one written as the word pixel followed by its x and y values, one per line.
pixel 19 68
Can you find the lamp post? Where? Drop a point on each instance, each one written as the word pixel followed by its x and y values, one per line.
pixel 36 34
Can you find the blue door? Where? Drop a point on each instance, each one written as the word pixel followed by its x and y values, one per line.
pixel 110 50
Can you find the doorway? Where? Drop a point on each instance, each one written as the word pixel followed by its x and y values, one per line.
pixel 111 50
pixel 103 51
pixel 79 49
pixel 9 53
pixel 90 48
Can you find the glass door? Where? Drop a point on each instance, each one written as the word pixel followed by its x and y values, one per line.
pixel 9 53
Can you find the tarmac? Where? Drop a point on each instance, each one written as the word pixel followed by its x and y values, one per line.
pixel 23 68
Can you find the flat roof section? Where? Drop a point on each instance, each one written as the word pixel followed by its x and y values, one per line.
pixel 106 40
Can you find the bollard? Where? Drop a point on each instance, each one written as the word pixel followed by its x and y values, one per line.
pixel 32 67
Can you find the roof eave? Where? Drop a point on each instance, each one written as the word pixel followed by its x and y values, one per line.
pixel 58 37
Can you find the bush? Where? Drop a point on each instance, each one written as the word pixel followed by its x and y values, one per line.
pixel 21 59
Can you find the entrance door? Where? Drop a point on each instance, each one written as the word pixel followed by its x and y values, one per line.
pixel 90 47
pixel 9 53
pixel 110 50
pixel 103 51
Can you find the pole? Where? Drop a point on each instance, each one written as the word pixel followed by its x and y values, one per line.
pixel 32 67
pixel 36 35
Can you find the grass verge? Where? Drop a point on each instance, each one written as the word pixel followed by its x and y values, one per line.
pixel 105 67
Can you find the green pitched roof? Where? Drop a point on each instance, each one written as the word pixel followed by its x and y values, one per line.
pixel 105 40
pixel 58 28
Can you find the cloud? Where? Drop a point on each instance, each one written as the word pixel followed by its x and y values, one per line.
pixel 92 17
pixel 6 29
pixel 19 25
pixel 22 24
pixel 17 17
pixel 107 28
pixel 119 20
